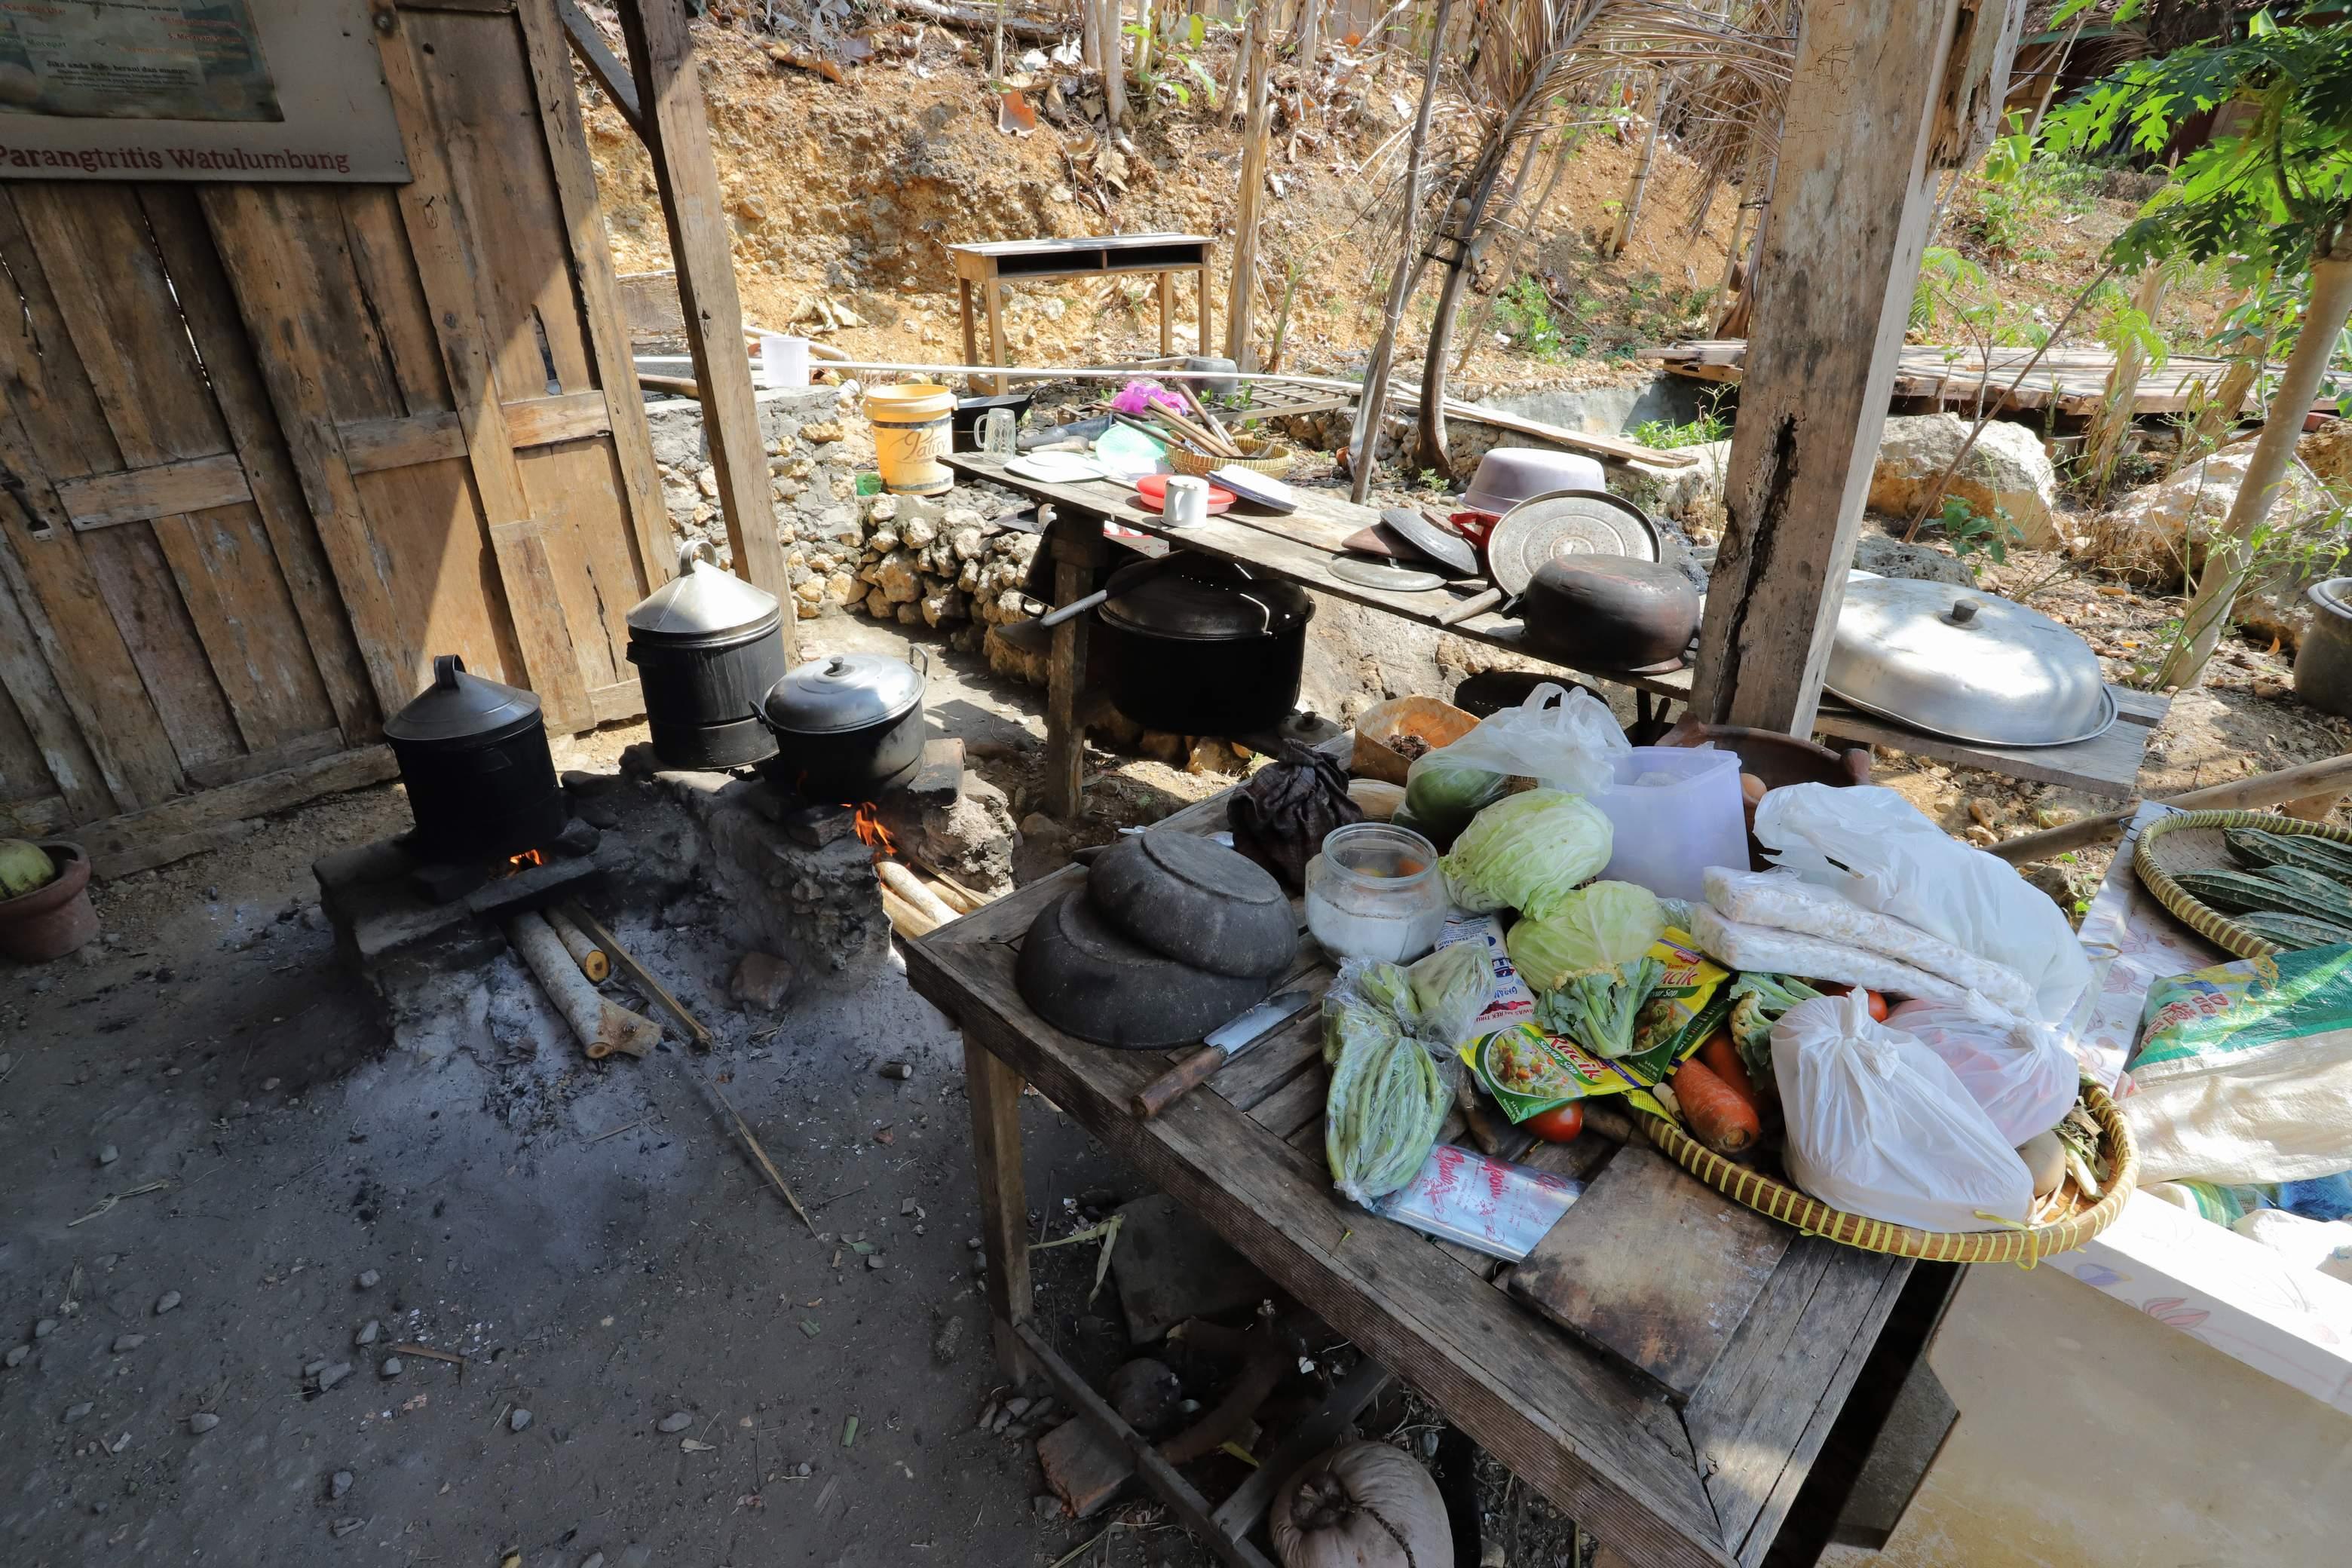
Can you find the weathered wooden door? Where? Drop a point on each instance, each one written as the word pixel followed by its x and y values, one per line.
pixel 269 449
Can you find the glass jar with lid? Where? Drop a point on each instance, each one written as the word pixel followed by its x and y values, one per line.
pixel 1376 892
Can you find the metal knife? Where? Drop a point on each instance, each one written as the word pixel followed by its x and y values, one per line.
pixel 1229 1040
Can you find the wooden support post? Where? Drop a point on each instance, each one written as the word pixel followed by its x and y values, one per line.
pixel 609 73
pixel 1114 64
pixel 677 129
pixel 1167 313
pixel 1201 282
pixel 1241 295
pixel 994 1092
pixel 991 295
pixel 1847 223
pixel 1078 549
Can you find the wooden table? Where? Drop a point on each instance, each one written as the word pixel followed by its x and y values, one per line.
pixel 1300 548
pixel 1707 1482
pixel 989 266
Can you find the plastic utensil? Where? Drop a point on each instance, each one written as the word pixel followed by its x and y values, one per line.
pixel 1687 817
pixel 1127 450
pixel 1153 489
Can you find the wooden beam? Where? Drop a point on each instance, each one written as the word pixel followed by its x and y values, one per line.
pixel 677 131
pixel 598 56
pixel 193 823
pixel 135 495
pixel 1847 225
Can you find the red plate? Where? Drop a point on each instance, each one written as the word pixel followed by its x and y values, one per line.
pixel 1153 489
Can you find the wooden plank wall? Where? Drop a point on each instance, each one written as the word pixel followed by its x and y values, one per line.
pixel 268 449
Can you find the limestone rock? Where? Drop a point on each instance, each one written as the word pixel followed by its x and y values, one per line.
pixel 1017 658
pixel 1892 558
pixel 2006 470
pixel 877 605
pixel 2327 452
pixel 917 532
pixel 763 980
pixel 899 579
pixel 822 432
pixel 1045 848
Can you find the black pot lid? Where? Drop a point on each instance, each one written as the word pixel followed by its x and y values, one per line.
pixel 1193 899
pixel 460 707
pixel 1202 599
pixel 702 603
pixel 842 693
pixel 1085 977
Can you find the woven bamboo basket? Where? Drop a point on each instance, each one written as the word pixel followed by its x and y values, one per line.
pixel 2066 1219
pixel 1271 458
pixel 2191 841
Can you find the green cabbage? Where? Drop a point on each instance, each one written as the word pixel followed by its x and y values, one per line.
pixel 1442 796
pixel 1450 988
pixel 1597 927
pixel 24 866
pixel 1527 852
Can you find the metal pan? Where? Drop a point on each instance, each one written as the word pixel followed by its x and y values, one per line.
pixel 1449 550
pixel 1563 523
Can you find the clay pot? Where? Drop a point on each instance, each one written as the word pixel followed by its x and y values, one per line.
pixel 52 921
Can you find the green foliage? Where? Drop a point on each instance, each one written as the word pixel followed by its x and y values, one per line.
pixel 2272 186
pixel 1712 424
pixel 1944 273
pixel 1968 530
pixel 1523 314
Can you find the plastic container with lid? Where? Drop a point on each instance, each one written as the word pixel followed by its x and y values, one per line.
pixel 1375 892
pixel 1675 811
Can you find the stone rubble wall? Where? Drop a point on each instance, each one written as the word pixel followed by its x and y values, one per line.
pixel 943 562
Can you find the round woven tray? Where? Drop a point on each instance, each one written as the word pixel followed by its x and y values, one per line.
pixel 2191 841
pixel 1275 461
pixel 2064 1219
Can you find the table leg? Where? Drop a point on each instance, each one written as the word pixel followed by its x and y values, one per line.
pixel 1167 314
pixel 992 295
pixel 970 331
pixel 994 1091
pixel 1078 549
pixel 1200 276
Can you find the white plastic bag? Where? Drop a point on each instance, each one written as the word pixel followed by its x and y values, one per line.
pixel 2022 1075
pixel 1879 1126
pixel 1787 902
pixel 1877 848
pixel 1561 738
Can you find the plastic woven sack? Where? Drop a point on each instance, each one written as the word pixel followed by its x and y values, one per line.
pixel 1878 1126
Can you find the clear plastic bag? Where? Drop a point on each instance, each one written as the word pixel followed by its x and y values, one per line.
pixel 1562 739
pixel 1876 849
pixel 1877 1125
pixel 2022 1074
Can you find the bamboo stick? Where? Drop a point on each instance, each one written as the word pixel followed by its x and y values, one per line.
pixel 896 878
pixel 1240 294
pixel 2331 777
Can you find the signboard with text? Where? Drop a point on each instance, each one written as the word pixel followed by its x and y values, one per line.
pixel 194 89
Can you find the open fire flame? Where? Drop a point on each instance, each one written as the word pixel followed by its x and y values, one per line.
pixel 871 832
pixel 524 862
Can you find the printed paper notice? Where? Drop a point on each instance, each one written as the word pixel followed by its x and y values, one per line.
pixel 133 59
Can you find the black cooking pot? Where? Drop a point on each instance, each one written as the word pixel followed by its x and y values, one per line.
pixel 847 727
pixel 1198 646
pixel 707 646
pixel 474 755
pixel 1610 612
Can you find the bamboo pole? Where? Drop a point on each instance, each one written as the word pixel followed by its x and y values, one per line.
pixel 1240 294
pixel 1655 109
pixel 2321 780
pixel 2103 446
pixel 1364 440
pixel 1114 76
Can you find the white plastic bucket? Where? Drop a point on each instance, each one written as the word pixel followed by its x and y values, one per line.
pixel 1670 829
pixel 783 361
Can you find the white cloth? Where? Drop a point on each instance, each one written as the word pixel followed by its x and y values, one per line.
pixel 1788 902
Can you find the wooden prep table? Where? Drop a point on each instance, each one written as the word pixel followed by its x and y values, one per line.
pixel 987 268
pixel 1709 1480
pixel 1299 548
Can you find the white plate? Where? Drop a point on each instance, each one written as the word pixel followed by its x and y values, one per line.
pixel 1055 467
pixel 1264 489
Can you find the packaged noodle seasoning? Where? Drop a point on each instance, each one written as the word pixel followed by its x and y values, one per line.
pixel 1529 1071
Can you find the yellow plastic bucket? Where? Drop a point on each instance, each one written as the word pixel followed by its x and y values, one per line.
pixel 912 425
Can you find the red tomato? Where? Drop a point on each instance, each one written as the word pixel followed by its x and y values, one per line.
pixel 1560 1124
pixel 1872 999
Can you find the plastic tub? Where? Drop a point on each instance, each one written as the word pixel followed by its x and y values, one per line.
pixel 911 430
pixel 783 361
pixel 1675 811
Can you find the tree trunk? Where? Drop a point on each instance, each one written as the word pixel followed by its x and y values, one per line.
pixel 1114 78
pixel 2218 582
pixel 1629 213
pixel 1432 453
pixel 1519 247
pixel 1241 296
pixel 2103 445
pixel 1364 440
pixel 1237 89
pixel 1310 35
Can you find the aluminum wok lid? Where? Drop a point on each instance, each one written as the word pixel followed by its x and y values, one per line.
pixel 1965 665
pixel 1199 598
pixel 703 603
pixel 842 693
pixel 462 707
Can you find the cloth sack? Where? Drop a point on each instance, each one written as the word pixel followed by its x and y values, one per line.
pixel 1877 1125
pixel 2022 1075
pixel 1877 850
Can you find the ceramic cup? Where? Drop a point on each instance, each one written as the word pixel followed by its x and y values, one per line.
pixel 1187 500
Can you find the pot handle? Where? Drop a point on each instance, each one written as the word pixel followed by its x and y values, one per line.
pixel 1076 608
pixel 447 667
pixel 690 550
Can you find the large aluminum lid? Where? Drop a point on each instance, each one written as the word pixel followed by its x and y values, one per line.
pixel 842 691
pixel 1965 665
pixel 1199 598
pixel 462 707
pixel 702 603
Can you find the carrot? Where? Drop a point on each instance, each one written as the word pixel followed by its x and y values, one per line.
pixel 1723 1060
pixel 1717 1114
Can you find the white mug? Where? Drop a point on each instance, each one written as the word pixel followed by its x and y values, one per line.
pixel 1186 501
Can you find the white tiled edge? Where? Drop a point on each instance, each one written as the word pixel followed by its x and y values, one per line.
pixel 2236 1295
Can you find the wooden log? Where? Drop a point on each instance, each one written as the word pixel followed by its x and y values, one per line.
pixel 638 975
pixel 598 57
pixel 584 952
pixel 896 878
pixel 2326 780
pixel 1240 294
pixel 906 919
pixel 1842 247
pixel 602 1026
